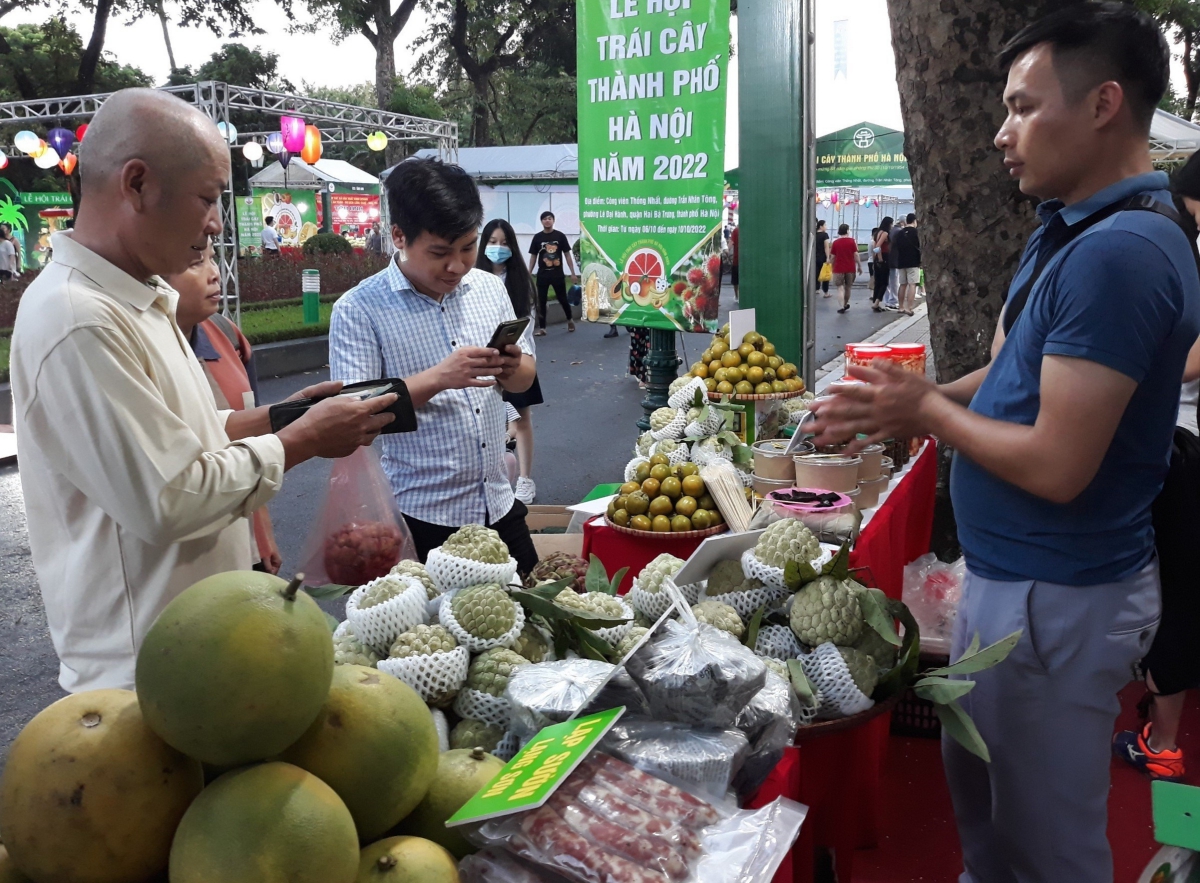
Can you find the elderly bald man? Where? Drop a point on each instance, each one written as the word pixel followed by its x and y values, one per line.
pixel 135 485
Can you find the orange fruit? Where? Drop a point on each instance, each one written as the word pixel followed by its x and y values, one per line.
pixel 754 375
pixel 650 487
pixel 685 506
pixel 693 486
pixel 661 524
pixel 671 488
pixel 640 522
pixel 680 523
pixel 730 359
pixel 661 506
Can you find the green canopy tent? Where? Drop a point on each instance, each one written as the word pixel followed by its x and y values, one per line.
pixel 865 155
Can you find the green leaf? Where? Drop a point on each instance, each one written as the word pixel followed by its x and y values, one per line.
pixel 962 729
pixel 591 645
pixel 751 636
pixel 596 579
pixel 729 438
pixel 973 647
pixel 743 454
pixel 327 591
pixel 875 617
pixel 802 685
pixel 980 659
pixel 839 565
pixel 797 573
pixel 615 584
pixel 543 607
pixel 941 691
pixel 699 400
pixel 549 591
pixel 908 659
pixel 331 622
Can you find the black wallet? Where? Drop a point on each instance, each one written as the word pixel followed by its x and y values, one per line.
pixel 406 417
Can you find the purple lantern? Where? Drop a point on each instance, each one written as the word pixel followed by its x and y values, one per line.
pixel 284 157
pixel 274 143
pixel 293 133
pixel 61 140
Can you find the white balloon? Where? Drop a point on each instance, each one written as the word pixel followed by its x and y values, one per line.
pixel 26 141
pixel 228 132
pixel 49 158
pixel 252 150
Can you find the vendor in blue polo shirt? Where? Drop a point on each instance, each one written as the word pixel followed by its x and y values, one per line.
pixel 1062 443
pixel 427 318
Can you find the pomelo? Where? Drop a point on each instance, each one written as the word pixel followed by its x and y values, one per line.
pixel 374 743
pixel 235 668
pixel 91 794
pixel 461 773
pixel 8 871
pixel 270 823
pixel 406 860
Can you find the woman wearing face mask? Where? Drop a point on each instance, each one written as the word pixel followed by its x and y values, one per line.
pixel 499 256
pixel 228 363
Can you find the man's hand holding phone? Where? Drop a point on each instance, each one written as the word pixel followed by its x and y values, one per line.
pixel 510 359
pixel 470 366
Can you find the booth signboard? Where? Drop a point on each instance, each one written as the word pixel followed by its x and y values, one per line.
pixel 865 155
pixel 353 214
pixel 249 224
pixel 652 160
pixel 34 217
pixel 296 214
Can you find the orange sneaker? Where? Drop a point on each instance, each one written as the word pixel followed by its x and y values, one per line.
pixel 1134 749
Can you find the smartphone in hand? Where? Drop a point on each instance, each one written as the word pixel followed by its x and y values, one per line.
pixel 508 333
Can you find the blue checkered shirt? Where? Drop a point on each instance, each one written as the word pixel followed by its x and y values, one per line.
pixel 450 471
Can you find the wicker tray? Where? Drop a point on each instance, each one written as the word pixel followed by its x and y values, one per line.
pixel 755 397
pixel 841 724
pixel 680 535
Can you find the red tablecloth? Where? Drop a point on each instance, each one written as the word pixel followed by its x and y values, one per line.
pixel 619 550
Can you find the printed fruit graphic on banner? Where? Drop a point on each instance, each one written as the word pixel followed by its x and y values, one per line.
pixel 91 794
pixel 645 276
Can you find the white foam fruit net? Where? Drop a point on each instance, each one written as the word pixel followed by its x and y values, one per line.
pixel 468 640
pixel 479 706
pixel 443 729
pixel 451 572
pixel 778 642
pixel 828 673
pixel 631 467
pixel 706 456
pixel 674 429
pixel 680 454
pixel 614 634
pixel 378 626
pixel 654 604
pixel 753 567
pixel 746 603
pixel 507 747
pixel 434 676
pixel 685 396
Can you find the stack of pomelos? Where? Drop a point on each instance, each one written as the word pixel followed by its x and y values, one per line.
pixel 664 499
pixel 235 684
pixel 750 367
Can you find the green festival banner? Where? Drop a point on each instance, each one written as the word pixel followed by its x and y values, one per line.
pixel 865 155
pixel 652 160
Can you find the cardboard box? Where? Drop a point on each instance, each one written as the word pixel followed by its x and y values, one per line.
pixel 556 518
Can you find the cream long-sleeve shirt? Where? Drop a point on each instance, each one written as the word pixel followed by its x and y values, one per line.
pixel 133 491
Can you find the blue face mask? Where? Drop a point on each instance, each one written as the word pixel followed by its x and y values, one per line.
pixel 498 254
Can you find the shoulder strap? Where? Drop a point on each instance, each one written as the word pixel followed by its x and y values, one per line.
pixel 1139 202
pixel 228 329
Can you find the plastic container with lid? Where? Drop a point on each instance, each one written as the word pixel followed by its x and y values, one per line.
pixel 910 356
pixel 771 459
pixel 886 467
pixel 865 354
pixel 831 523
pixel 764 486
pixel 833 472
pixel 872 462
pixel 869 491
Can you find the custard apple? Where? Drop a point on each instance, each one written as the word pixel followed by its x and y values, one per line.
pixel 628 642
pixel 641 620
pixel 380 590
pixel 776 665
pixel 862 669
pixel 661 418
pixel 349 650
pixel 484 611
pixel 708 448
pixel 720 616
pixel 475 734
pixel 595 603
pixel 666 446
pixel 873 644
pixel 417 571
pixel 679 383
pixel 531 644
pixel 827 610
pixel 491 669
pixel 786 540
pixel 559 565
pixel 478 543
pixel 645 440
pixel 652 575
pixel 422 640
pixel 727 576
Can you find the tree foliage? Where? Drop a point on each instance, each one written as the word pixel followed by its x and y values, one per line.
pixel 380 21
pixel 240 65
pixel 42 61
pixel 1181 21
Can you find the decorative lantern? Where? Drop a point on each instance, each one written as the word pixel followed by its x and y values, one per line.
pixel 26 141
pixel 67 164
pixel 284 157
pixel 377 141
pixel 80 132
pixel 311 152
pixel 275 143
pixel 3 160
pixel 292 129
pixel 228 132
pixel 252 150
pixel 40 148
pixel 61 140
pixel 47 159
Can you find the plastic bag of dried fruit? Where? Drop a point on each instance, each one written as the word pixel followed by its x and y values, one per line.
pixel 359 533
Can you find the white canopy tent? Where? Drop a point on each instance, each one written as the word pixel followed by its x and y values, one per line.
pixel 1172 138
pixel 299 175
pixel 536 162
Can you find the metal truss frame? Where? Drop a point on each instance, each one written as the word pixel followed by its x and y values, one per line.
pixel 339 124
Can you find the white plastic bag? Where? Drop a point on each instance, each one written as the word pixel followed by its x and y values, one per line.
pixel 932 590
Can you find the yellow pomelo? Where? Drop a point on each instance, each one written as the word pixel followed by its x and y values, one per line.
pixel 461 773
pixel 235 668
pixel 374 743
pixel 8 871
pixel 270 823
pixel 91 794
pixel 406 860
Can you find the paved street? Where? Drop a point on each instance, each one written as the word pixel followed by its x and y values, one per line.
pixel 584 434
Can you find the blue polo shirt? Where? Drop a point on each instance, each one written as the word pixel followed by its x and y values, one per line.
pixel 1125 294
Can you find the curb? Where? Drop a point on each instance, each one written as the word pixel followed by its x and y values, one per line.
pixel 835 370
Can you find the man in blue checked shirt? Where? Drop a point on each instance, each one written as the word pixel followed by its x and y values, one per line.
pixel 427 318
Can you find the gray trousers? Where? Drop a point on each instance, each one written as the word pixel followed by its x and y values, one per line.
pixel 1038 812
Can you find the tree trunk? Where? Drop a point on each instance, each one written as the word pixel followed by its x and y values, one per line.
pixel 480 134
pixel 1191 74
pixel 162 18
pixel 974 221
pixel 90 59
pixel 385 59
